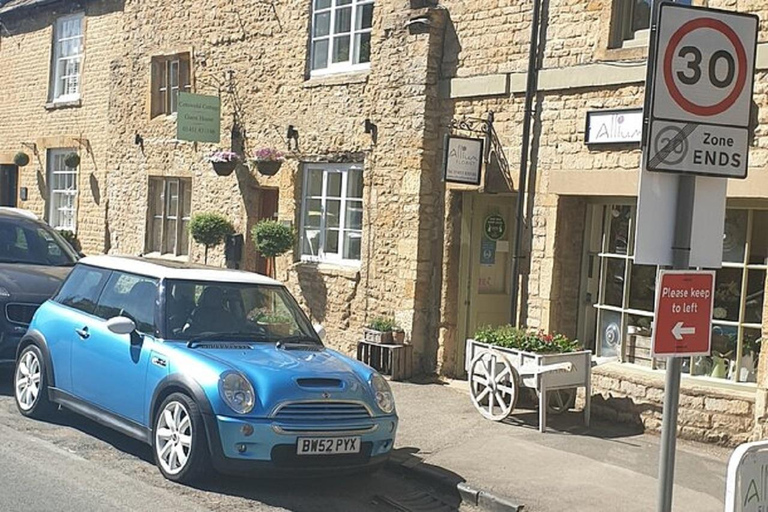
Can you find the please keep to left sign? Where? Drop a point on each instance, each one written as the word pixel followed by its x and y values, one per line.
pixel 684 302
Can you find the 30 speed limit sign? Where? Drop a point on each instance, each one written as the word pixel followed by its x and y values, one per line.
pixel 702 91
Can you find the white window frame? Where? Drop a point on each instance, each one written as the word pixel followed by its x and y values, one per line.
pixel 322 256
pixel 339 67
pixel 57 94
pixel 162 218
pixel 56 167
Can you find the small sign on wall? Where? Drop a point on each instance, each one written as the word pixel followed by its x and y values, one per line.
pixel 463 160
pixel 614 126
pixel 487 251
pixel 198 118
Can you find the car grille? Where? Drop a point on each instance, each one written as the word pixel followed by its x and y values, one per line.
pixel 20 313
pixel 322 411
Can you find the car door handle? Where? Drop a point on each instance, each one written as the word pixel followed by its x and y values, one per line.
pixel 83 333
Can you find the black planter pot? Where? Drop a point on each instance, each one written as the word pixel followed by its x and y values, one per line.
pixel 224 168
pixel 268 167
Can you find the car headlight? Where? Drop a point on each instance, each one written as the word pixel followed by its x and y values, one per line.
pixel 383 393
pixel 237 392
pixel 4 293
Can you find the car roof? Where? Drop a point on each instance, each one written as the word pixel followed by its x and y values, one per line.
pixel 7 211
pixel 170 269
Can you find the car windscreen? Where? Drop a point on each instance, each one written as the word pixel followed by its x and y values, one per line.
pixel 208 309
pixel 32 243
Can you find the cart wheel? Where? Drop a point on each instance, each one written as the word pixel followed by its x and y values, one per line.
pixel 493 384
pixel 559 400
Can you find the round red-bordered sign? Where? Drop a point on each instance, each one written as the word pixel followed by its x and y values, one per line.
pixel 741 78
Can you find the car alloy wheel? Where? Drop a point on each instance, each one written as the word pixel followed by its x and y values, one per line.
pixel 173 438
pixel 28 380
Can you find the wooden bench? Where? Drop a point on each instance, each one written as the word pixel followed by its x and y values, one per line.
pixel 393 360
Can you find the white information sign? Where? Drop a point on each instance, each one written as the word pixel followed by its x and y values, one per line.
pixel 702 91
pixel 614 126
pixel 746 488
pixel 463 160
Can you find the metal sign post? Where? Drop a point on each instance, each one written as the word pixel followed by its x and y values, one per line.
pixel 698 101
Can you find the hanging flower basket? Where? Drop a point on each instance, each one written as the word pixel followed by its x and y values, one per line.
pixel 268 161
pixel 224 162
pixel 72 160
pixel 21 159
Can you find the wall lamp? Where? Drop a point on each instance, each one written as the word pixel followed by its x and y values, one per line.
pixel 139 140
pixel 372 129
pixel 293 135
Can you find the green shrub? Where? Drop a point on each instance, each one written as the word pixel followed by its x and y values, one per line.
pixel 272 238
pixel 210 229
pixel 540 342
pixel 71 239
pixel 382 324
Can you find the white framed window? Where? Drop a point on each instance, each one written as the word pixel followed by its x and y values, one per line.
pixel 170 76
pixel 631 22
pixel 626 300
pixel 341 35
pixel 170 205
pixel 332 213
pixel 62 191
pixel 67 62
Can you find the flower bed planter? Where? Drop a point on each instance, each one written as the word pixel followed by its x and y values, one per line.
pixel 508 369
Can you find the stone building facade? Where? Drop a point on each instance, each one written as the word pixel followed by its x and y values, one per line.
pixel 368 89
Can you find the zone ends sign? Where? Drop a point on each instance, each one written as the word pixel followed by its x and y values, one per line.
pixel 703 78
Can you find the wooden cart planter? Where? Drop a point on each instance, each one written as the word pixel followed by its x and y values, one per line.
pixel 497 374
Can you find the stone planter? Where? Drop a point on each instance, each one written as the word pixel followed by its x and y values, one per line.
pixel 224 168
pixel 268 167
pixel 374 336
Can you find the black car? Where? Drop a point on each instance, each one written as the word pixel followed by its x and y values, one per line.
pixel 34 260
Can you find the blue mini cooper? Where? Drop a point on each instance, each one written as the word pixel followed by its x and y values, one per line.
pixel 209 366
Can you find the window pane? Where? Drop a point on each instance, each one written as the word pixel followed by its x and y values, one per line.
pixel 311 245
pixel 186 209
pixel 322 4
pixel 343 22
pixel 352 245
pixel 610 333
pixel 363 48
pixel 334 184
pixel 619 229
pixel 156 197
pixel 320 54
pixel 724 340
pixel 174 73
pixel 332 213
pixel 131 296
pixel 364 18
pixel 641 18
pixel 642 287
pixel 172 201
pixel 315 183
pixel 170 237
pixel 354 216
pixel 155 235
pixel 313 213
pixel 82 288
pixel 343 2
pixel 758 250
pixel 322 25
pixel 750 354
pixel 753 307
pixel 340 49
pixel 331 241
pixel 735 236
pixel 614 282
pixel 183 248
pixel 355 183
pixel 727 294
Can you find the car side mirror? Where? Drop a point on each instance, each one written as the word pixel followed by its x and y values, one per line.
pixel 320 330
pixel 121 325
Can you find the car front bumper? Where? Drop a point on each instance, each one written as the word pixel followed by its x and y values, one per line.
pixel 272 447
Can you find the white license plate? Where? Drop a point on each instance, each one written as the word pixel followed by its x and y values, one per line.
pixel 327 445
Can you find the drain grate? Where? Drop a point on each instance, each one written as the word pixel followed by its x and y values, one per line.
pixel 418 501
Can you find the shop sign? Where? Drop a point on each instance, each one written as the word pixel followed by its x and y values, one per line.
pixel 487 252
pixel 746 488
pixel 702 92
pixel 198 118
pixel 614 126
pixel 463 160
pixel 684 301
pixel 495 227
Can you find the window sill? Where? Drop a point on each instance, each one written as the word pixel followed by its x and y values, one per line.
pixel 55 105
pixel 340 78
pixel 347 271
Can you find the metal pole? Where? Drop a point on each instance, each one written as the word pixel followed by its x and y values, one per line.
pixel 681 252
pixel 530 92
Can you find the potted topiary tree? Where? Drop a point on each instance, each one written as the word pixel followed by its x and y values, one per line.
pixel 72 160
pixel 21 159
pixel 210 229
pixel 71 239
pixel 272 239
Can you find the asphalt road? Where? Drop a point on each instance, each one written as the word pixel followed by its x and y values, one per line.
pixel 73 464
